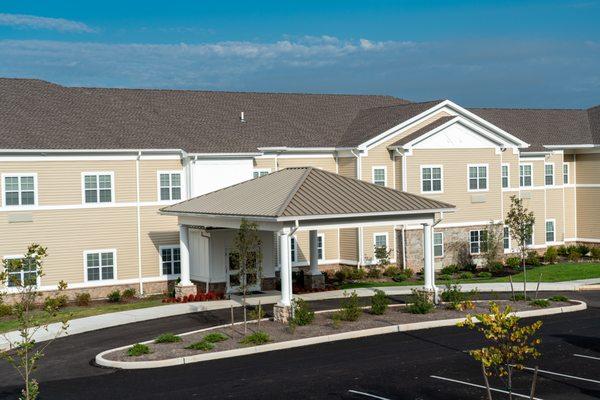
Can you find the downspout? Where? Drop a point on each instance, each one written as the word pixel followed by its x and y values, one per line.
pixel 139 222
pixel 360 229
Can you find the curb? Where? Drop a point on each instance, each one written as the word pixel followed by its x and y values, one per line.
pixel 101 361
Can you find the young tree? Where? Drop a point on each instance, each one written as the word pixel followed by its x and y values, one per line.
pixel 520 225
pixel 23 354
pixel 510 345
pixel 492 245
pixel 248 250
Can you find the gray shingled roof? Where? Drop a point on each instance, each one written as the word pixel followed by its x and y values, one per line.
pixel 427 128
pixel 302 192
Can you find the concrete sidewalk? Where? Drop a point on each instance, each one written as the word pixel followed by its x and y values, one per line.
pixel 87 324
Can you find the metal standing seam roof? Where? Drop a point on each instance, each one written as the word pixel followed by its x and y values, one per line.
pixel 303 192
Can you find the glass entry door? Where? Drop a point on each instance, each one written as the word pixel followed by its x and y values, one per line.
pixel 236 279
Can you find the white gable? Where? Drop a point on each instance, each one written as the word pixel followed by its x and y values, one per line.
pixel 455 135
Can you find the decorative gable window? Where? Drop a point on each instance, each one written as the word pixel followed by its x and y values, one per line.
pixel 19 189
pixel 525 175
pixel 478 177
pixel 431 179
pixel 565 173
pixel 379 176
pixel 505 176
pixel 169 185
pixel 97 187
pixel 549 174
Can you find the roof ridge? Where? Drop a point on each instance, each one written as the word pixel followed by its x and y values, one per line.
pixel 410 103
pixel 293 192
pixel 526 108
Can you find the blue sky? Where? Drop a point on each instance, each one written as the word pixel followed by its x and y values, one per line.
pixel 478 53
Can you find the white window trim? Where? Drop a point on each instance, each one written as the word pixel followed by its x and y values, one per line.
pixel 384 168
pixel 20 175
pixel 553 175
pixel 479 241
pixel 553 232
pixel 322 236
pixel 532 245
pixel 433 241
pixel 507 165
pixel 85 254
pixel 509 250
pixel 16 256
pixel 181 181
pixel 441 176
pixel 160 260
pixel 259 170
pixel 487 177
pixel 567 174
pixel 112 188
pixel 532 183
pixel 387 242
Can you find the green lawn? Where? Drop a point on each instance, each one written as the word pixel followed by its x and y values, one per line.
pixel 7 324
pixel 550 273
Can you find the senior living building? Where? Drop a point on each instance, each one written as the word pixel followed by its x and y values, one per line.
pixel 91 173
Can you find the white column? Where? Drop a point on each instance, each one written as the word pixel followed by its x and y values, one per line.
pixel 314 252
pixel 428 257
pixel 184 255
pixel 285 270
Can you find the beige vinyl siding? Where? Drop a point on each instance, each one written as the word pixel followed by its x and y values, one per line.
pixel 398 173
pixel 533 200
pixel 554 210
pixel 508 157
pixel 588 168
pixel 570 213
pixel 368 244
pixel 330 249
pixel 149 177
pixel 349 244
pixel 588 211
pixel 266 163
pixel 59 182
pixel 157 230
pixel 347 166
pixel 325 163
pixel 569 159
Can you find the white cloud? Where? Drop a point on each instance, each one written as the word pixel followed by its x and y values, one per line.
pixel 35 22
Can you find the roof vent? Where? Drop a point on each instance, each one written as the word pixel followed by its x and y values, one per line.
pixel 242 117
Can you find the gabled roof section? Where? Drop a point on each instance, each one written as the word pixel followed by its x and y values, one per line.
pixel 419 132
pixel 594 118
pixel 298 193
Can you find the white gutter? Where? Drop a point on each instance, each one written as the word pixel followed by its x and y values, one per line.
pixel 302 149
pixel 138 219
pixel 225 155
pixel 571 146
pixel 90 150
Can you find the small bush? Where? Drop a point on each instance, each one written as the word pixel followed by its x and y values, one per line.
pixel 485 275
pixel 408 272
pixel 453 293
pixel 358 274
pixel 466 275
pixel 559 298
pixel 202 345
pixel 83 299
pixel 215 337
pixel 302 314
pixel 340 275
pixel 570 249
pixel 420 303
pixel 444 277
pixel 583 250
pixel 533 259
pixel 257 313
pixel 551 255
pixel 399 277
pixel 391 271
pixel 350 310
pixel 374 273
pixel 463 305
pixel 496 268
pixel 450 269
pixel 513 262
pixel 562 251
pixel 575 256
pixel 114 296
pixel 137 350
pixel 56 303
pixel 167 338
pixel 521 297
pixel 595 253
pixel 257 338
pixel 5 309
pixel 541 303
pixel 128 293
pixel 379 303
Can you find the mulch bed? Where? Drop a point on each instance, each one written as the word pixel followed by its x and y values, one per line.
pixel 322 325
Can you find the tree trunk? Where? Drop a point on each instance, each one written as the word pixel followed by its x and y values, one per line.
pixel 534 381
pixel 524 277
pixel 510 396
pixel 487 382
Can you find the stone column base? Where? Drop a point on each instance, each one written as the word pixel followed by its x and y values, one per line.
pixel 282 313
pixel 314 281
pixel 181 290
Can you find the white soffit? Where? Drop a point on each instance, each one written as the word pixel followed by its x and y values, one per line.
pixel 454 135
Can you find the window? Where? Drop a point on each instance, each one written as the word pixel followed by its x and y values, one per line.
pixel 19 189
pixel 505 176
pixel 438 244
pixel 100 265
pixel 21 273
pixel 525 175
pixel 97 187
pixel 169 184
pixel 477 177
pixel 529 239
pixel 550 237
pixel 321 247
pixel 293 249
pixel 549 174
pixel 379 176
pixel 257 173
pixel 566 173
pixel 170 260
pixel 478 241
pixel 431 179
pixel 380 240
pixel 506 238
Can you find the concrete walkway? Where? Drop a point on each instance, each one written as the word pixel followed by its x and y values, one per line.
pixel 87 324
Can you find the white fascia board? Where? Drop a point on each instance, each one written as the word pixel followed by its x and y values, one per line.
pixel 362 215
pixel 535 154
pixel 91 151
pixel 285 149
pixel 571 146
pixel 224 155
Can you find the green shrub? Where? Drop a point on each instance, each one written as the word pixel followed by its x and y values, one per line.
pixel 453 293
pixel 551 255
pixel 350 310
pixel 466 275
pixel 5 309
pixel 302 314
pixel 379 303
pixel 257 338
pixel 570 249
pixel 562 251
pixel 167 338
pixel 215 337
pixel 513 262
pixel 374 273
pixel 257 313
pixel 533 259
pixel 202 345
pixel 391 271
pixel 341 275
pixel 496 268
pixel 485 275
pixel 559 298
pixel 583 250
pixel 56 303
pixel 83 299
pixel 114 296
pixel 408 272
pixel 521 297
pixel 399 277
pixel 541 303
pixel 450 269
pixel 128 293
pixel 595 253
pixel 137 350
pixel 358 274
pixel 420 303
pixel 444 277
pixel 575 256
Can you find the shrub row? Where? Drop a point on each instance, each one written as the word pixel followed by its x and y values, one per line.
pixel 208 296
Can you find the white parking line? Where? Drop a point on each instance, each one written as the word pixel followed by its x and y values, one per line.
pixel 584 356
pixel 482 387
pixel 563 375
pixel 368 395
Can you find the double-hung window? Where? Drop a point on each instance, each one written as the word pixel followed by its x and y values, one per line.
pixel 566 173
pixel 98 187
pixel 478 178
pixel 550 233
pixel 257 173
pixel 294 249
pixel 506 238
pixel 169 185
pixel 380 240
pixel 19 189
pixel 431 179
pixel 438 244
pixel 379 176
pixel 549 174
pixel 525 175
pixel 321 246
pixel 478 241
pixel 505 176
pixel 529 238
pixel 170 260
pixel 100 265
pixel 21 271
